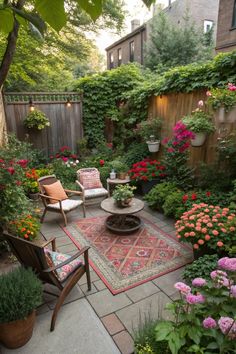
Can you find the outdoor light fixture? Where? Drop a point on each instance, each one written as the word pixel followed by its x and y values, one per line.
pixel 68 102
pixel 31 105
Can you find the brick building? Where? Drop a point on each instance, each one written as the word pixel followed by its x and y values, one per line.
pixel 131 47
pixel 226 33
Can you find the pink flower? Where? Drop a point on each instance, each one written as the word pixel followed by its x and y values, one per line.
pixel 182 287
pixel 220 244
pixel 11 170
pixel 208 93
pixel 233 290
pixel 227 263
pixel 65 159
pixel 195 299
pixel 228 326
pixel 200 103
pixel 199 282
pixel 209 322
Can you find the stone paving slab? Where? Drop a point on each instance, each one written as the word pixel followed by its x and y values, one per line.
pixel 166 282
pixel 78 330
pixel 105 303
pixel 140 292
pixel 150 307
pixel 124 342
pixel 112 324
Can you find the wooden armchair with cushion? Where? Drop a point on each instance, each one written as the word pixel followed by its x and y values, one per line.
pixel 55 197
pixel 58 269
pixel 88 180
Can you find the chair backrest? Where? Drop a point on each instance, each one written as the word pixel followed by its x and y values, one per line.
pixel 45 180
pixel 31 254
pixel 86 170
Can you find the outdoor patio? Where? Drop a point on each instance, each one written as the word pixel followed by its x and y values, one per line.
pixel 97 321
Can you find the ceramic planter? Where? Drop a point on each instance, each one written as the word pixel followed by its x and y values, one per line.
pixel 15 334
pixel 153 146
pixel 199 139
pixel 226 117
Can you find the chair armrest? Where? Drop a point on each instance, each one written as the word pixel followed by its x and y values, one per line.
pixel 48 197
pixel 72 258
pixel 72 192
pixel 52 241
pixel 80 185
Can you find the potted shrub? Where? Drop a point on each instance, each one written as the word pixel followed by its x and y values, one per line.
pixel 210 229
pixel 200 124
pixel 123 195
pixel 36 120
pixel 31 185
pixel 120 168
pixel 150 132
pixel 223 102
pixel 20 294
pixel 148 172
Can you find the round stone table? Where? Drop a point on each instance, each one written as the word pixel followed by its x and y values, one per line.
pixel 122 220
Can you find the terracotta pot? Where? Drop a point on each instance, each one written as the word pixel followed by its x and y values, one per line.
pixel 122 175
pixel 15 334
pixel 124 203
pixel 199 139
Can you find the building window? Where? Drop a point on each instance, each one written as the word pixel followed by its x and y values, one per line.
pixel 207 25
pixel 234 15
pixel 131 51
pixel 119 54
pixel 111 60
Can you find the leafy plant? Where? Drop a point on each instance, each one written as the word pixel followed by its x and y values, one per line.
pixel 147 170
pixel 37 120
pixel 172 202
pixel 20 293
pixel 198 122
pixel 222 97
pixel 158 194
pixel 65 172
pixel 25 226
pixel 136 152
pixel 123 192
pixel 201 268
pixel 150 127
pixel 119 166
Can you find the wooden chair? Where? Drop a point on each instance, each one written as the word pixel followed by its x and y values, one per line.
pixel 91 195
pixel 62 206
pixel 34 255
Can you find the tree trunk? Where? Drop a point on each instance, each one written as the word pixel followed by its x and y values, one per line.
pixel 11 47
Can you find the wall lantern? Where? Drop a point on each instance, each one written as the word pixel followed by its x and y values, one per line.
pixel 68 102
pixel 31 105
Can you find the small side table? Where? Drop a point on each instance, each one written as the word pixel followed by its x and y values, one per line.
pixel 113 182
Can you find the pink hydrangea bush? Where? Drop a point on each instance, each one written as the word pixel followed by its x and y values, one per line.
pixel 207 225
pixel 204 317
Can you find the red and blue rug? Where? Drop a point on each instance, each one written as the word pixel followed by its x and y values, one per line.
pixel 125 261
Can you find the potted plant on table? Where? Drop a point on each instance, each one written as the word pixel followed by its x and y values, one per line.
pixel 20 294
pixel 123 195
pixel 223 102
pixel 199 122
pixel 120 168
pixel 150 132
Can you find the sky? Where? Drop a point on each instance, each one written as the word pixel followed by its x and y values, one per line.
pixel 136 10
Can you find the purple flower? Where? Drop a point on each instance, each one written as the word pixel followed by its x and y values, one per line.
pixel 209 322
pixel 195 299
pixel 199 282
pixel 227 263
pixel 182 287
pixel 228 326
pixel 233 290
pixel 220 278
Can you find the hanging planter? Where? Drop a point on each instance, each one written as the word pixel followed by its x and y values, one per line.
pixel 199 139
pixel 153 146
pixel 226 117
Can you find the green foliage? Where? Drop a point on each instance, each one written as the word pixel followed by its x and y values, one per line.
pixel 123 192
pixel 65 173
pixel 119 166
pixel 36 120
pixel 150 127
pixel 198 122
pixel 158 194
pixel 20 293
pixel 212 175
pixel 103 97
pixel 222 97
pixel 201 268
pixel 172 202
pixel 136 152
pixel 170 45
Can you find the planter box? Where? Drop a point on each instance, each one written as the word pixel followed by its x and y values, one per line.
pixel 148 185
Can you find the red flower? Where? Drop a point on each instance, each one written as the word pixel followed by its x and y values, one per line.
pixel 51 156
pixel 63 148
pixel 73 156
pixel 110 145
pixel 18 183
pixel 102 162
pixel 1 161
pixel 65 159
pixel 11 170
pixel 194 196
pixel 208 194
pixel 185 198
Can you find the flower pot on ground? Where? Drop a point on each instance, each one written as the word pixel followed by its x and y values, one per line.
pixel 123 195
pixel 34 196
pixel 20 295
pixel 199 122
pixel 148 185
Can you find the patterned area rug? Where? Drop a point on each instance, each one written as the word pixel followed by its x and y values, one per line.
pixel 125 261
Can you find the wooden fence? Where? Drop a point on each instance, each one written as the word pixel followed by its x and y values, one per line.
pixel 65 121
pixel 172 107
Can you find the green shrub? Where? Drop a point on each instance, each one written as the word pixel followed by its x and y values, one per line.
pixel 201 268
pixel 136 152
pixel 36 120
pixel 20 294
pixel 172 204
pixel 66 174
pixel 158 194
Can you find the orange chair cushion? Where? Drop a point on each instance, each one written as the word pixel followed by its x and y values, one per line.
pixel 90 179
pixel 55 190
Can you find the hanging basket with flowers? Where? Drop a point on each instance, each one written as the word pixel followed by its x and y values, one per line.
pixel 36 120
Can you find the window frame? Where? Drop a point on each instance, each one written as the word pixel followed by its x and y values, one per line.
pixel 131 51
pixel 233 26
pixel 111 60
pixel 206 23
pixel 119 56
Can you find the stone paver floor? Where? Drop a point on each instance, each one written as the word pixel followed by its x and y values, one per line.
pixel 119 314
